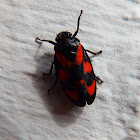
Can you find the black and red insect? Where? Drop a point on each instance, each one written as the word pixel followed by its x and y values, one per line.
pixel 73 68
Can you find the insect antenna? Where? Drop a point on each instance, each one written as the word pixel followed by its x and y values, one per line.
pixel 78 24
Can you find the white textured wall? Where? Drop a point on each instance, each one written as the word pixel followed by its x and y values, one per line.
pixel 27 112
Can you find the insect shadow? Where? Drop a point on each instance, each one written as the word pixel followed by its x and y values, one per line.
pixel 56 102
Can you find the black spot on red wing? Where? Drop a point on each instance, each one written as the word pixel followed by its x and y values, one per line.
pixel 81 100
pixel 77 72
pixel 85 56
pixel 70 86
pixel 90 99
pixel 89 77
pixel 80 103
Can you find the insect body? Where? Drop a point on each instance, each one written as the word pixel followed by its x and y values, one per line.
pixel 73 67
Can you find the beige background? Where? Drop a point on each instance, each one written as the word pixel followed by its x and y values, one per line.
pixel 27 112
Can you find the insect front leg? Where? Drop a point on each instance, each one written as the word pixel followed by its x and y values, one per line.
pixel 50 69
pixel 94 52
pixel 41 40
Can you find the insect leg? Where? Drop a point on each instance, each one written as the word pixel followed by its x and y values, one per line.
pixel 98 80
pixel 41 40
pixel 77 24
pixel 53 84
pixel 50 69
pixel 94 52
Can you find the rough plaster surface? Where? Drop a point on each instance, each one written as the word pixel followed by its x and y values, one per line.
pixel 27 111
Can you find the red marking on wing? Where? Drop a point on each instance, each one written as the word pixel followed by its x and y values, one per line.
pixel 91 88
pixel 63 60
pixel 63 75
pixel 73 94
pixel 79 55
pixel 87 67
